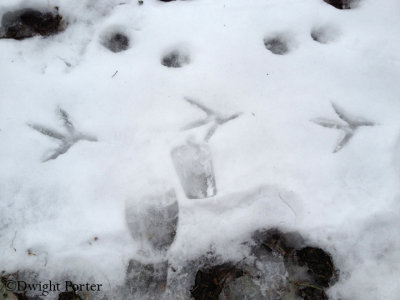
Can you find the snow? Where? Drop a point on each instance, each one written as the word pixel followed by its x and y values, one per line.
pixel 273 166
